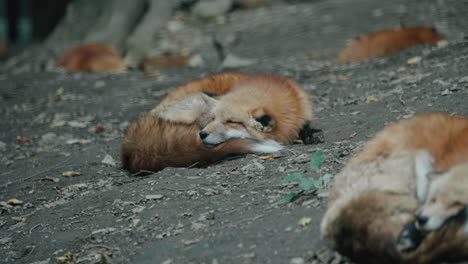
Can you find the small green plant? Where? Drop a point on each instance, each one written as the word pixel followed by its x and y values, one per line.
pixel 306 184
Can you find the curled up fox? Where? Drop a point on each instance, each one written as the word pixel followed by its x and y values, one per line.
pixel 208 119
pixel 383 208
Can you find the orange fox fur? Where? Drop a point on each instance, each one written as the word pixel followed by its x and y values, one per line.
pixel 374 196
pixel 387 43
pixel 152 143
pixel 444 222
pixel 260 107
pixel 91 57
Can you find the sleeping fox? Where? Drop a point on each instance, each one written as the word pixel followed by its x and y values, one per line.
pixel 92 57
pixel 440 230
pixel 375 196
pixel 387 43
pixel 173 133
pixel 259 107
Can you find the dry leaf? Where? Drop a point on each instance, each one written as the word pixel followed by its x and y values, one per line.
pixel 151 74
pixel 304 221
pixel 58 123
pixel 68 258
pixel 70 173
pixel 18 219
pixel 99 129
pixel 342 77
pixel 60 91
pixel 372 100
pixel 24 140
pixel 269 157
pixel 15 202
pixel 414 60
pixel 352 135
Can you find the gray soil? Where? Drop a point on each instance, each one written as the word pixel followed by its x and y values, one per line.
pixel 225 213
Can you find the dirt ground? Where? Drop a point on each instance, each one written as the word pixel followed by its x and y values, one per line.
pixel 225 213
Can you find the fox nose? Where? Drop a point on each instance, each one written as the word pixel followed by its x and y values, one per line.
pixel 203 134
pixel 421 219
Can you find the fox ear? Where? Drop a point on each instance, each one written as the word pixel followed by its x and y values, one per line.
pixel 424 167
pixel 210 94
pixel 262 121
pixel 209 99
pixel 185 109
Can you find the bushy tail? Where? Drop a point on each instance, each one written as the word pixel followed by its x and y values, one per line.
pixel 365 227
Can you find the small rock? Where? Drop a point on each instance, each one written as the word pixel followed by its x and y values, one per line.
pixel 108 160
pixel 154 197
pixel 99 84
pixel 191 242
pixel 303 158
pixel 77 124
pixel 233 61
pixel 414 60
pixel 445 92
pixel 211 8
pixel 103 231
pixel 78 141
pixel 442 44
pixel 297 260
pixel 3 146
pixel 5 240
pixel 463 79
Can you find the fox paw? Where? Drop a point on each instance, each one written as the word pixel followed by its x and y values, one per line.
pixel 410 238
pixel 310 135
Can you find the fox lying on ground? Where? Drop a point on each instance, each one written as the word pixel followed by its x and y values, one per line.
pixel 161 138
pixel 260 107
pixel 170 134
pixel 375 195
pixel 440 229
pixel 387 43
pixel 91 57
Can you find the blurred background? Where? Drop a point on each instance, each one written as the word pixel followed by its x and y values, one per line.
pixel 207 32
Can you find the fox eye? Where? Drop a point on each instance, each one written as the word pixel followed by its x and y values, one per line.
pixel 230 121
pixel 456 204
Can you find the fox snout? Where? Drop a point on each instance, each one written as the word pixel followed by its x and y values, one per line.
pixel 203 134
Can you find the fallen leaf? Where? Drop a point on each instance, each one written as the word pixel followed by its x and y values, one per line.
pixel 18 219
pixel 48 179
pixel 156 219
pixel 99 129
pixel 70 173
pixel 304 221
pixel 60 91
pixel 269 157
pixel 372 100
pixel 58 123
pixel 68 258
pixel 108 160
pixel 15 202
pixel 342 77
pixel 24 140
pixel 414 60
pixel 352 135
pixel 151 74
